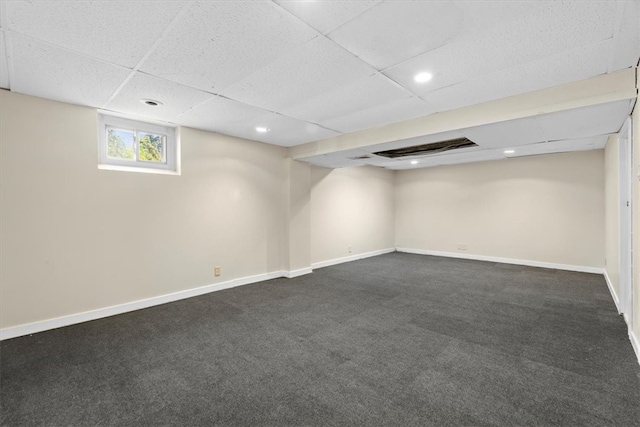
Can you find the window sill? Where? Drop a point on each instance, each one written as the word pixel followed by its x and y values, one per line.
pixel 137 169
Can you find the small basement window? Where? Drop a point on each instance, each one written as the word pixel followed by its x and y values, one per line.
pixel 135 146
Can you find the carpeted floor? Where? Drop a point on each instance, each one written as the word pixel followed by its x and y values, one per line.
pixel 395 340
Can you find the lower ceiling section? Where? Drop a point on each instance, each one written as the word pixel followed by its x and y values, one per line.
pixel 566 127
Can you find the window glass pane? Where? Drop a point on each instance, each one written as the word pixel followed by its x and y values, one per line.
pixel 151 147
pixel 120 144
pixel 125 144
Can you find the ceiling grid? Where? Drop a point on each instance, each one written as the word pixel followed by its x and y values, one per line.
pixel 324 75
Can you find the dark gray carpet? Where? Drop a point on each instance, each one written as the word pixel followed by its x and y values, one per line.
pixel 397 339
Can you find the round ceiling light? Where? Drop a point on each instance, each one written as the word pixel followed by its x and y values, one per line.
pixel 423 77
pixel 262 129
pixel 414 162
pixel 151 102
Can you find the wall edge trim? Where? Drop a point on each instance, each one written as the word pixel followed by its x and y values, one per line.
pixel 299 272
pixel 635 343
pixel 530 263
pixel 616 300
pixel 86 316
pixel 350 258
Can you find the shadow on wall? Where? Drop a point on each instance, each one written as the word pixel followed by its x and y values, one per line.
pixel 318 174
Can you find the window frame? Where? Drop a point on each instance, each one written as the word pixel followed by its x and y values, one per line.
pixel 171 149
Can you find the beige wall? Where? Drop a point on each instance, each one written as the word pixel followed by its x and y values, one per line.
pixel 612 212
pixel 75 238
pixel 541 208
pixel 351 207
pixel 298 220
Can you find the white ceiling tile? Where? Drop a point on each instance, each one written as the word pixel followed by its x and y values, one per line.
pixel 409 166
pixel 558 26
pixel 380 115
pixel 175 98
pixel 470 157
pixel 455 62
pixel 219 113
pixel 585 122
pixel 3 14
pixel 627 40
pixel 565 145
pixel 341 158
pixel 116 31
pixel 218 43
pixel 447 159
pixel 551 28
pixel 506 134
pixel 366 93
pixel 236 119
pixel 325 16
pixel 431 161
pixel 482 15
pixel 268 58
pixel 284 131
pixel 566 67
pixel 402 30
pixel 319 67
pixel 345 164
pixel 50 72
pixel 4 64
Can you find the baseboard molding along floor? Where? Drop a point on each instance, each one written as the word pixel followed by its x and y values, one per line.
pixel 72 319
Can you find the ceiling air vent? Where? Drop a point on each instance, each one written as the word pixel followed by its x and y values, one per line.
pixel 360 157
pixel 432 148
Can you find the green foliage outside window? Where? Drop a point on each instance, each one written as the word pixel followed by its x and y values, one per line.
pixel 116 148
pixel 150 147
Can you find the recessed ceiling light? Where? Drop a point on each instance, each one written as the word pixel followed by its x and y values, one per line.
pixel 262 129
pixel 414 162
pixel 151 102
pixel 423 77
pixel 509 151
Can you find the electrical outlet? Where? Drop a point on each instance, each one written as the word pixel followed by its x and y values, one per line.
pixel 216 271
pixel 464 246
pixel 349 249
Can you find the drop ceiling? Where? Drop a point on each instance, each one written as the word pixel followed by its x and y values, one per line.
pixel 314 70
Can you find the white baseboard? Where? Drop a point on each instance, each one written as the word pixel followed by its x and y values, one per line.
pixel 635 343
pixel 612 291
pixel 569 267
pixel 351 258
pixel 299 272
pixel 58 322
